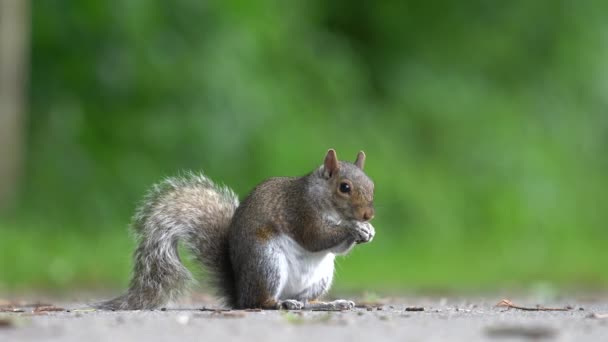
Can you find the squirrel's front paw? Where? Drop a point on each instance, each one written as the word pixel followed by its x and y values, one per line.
pixel 336 305
pixel 364 232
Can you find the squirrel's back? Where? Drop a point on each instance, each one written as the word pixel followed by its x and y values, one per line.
pixel 276 200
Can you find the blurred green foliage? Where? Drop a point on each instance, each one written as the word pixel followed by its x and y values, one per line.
pixel 484 123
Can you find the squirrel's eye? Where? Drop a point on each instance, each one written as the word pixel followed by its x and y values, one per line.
pixel 344 187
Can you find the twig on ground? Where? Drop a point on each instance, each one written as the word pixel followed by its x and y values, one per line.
pixel 414 308
pixel 214 310
pixel 233 314
pixel 514 331
pixel 598 315
pixel 508 304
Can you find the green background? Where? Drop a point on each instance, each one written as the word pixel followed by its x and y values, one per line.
pixel 485 125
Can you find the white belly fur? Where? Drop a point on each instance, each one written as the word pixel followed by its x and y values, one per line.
pixel 299 268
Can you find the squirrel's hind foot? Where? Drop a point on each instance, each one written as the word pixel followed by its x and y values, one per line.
pixel 291 304
pixel 336 305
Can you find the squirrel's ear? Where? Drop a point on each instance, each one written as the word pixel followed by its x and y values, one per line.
pixel 331 163
pixel 360 162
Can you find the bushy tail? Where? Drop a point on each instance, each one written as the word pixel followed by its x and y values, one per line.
pixel 193 210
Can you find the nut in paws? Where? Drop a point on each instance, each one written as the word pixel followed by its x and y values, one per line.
pixel 364 232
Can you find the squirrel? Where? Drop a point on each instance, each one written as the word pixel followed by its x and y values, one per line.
pixel 275 250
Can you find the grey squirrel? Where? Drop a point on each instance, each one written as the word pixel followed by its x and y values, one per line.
pixel 275 250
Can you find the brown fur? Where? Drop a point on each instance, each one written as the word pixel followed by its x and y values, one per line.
pixel 264 234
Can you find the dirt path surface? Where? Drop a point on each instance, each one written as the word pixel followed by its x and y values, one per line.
pixel 411 319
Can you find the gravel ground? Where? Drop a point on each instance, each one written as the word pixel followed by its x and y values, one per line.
pixel 402 319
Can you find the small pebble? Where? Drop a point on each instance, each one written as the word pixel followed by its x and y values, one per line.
pixel 183 319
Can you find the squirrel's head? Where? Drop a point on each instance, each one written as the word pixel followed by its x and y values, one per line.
pixel 350 190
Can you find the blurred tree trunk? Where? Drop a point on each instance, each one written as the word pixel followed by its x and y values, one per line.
pixel 14 62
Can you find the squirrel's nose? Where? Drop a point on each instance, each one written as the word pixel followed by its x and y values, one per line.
pixel 368 214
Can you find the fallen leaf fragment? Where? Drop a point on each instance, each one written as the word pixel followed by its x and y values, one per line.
pixel 233 314
pixel 6 323
pixel 35 305
pixel 368 304
pixel 508 304
pixel 48 308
